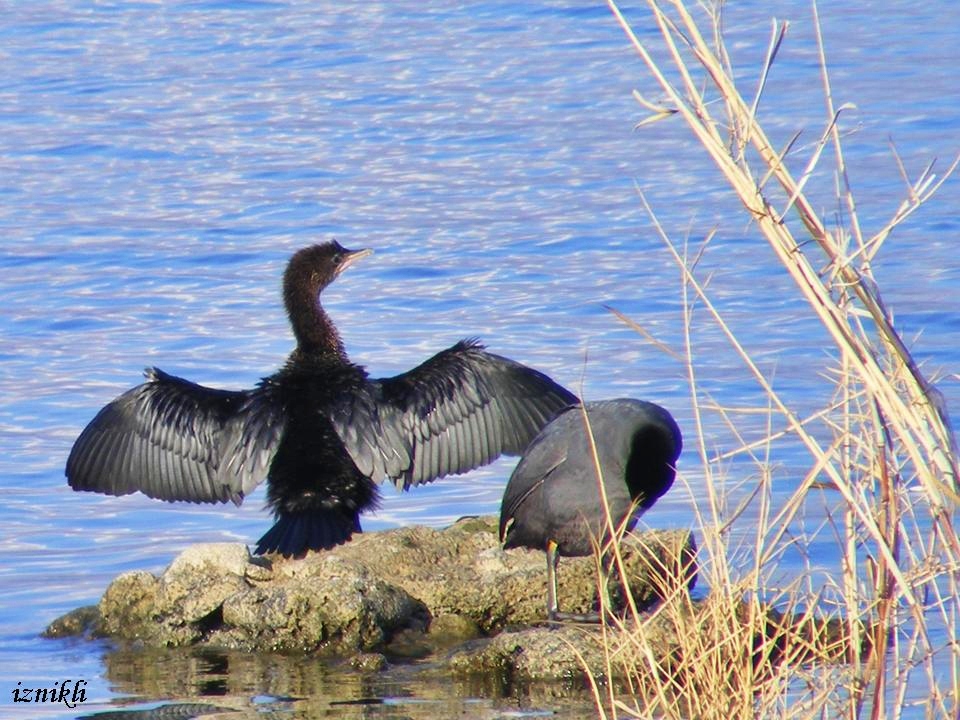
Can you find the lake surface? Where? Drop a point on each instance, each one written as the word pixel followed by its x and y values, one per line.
pixel 161 161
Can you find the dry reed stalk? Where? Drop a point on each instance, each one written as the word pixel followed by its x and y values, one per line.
pixel 891 441
pixel 911 407
pixel 726 656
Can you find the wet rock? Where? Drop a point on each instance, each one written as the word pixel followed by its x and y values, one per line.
pixel 369 662
pixel 561 652
pixel 566 652
pixel 407 592
pixel 448 630
pixel 82 622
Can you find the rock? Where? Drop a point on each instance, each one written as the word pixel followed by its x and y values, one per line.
pixel 127 605
pixel 448 630
pixel 82 622
pixel 407 592
pixel 463 571
pixel 337 608
pixel 541 653
pixel 369 662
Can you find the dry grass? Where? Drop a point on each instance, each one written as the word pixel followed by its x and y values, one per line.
pixel 875 635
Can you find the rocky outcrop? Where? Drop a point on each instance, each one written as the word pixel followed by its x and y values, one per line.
pixel 406 592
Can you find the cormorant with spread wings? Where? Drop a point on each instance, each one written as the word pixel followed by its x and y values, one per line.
pixel 319 430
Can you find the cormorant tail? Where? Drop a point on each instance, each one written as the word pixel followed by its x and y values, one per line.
pixel 296 533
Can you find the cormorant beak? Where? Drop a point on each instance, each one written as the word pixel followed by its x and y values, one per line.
pixel 351 257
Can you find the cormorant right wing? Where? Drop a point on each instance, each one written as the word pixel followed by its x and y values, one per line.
pixel 172 439
pixel 459 410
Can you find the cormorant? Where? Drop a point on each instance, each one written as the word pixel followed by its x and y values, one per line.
pixel 553 502
pixel 321 432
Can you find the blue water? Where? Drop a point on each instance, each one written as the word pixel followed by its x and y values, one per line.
pixel 160 161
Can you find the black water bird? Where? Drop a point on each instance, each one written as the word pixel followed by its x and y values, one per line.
pixel 553 500
pixel 321 432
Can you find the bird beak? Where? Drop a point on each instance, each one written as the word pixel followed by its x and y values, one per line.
pixel 352 256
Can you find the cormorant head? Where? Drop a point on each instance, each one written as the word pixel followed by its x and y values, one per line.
pixel 311 269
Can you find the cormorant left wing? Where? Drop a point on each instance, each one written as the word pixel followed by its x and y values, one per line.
pixel 172 439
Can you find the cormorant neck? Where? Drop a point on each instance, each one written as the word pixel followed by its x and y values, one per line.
pixel 315 332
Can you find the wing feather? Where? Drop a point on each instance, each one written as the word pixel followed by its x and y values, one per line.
pixel 459 410
pixel 175 440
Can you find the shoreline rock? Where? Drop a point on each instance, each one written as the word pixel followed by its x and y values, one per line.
pixel 408 592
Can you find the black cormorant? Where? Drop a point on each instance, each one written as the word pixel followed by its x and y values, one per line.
pixel 319 430
pixel 553 501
